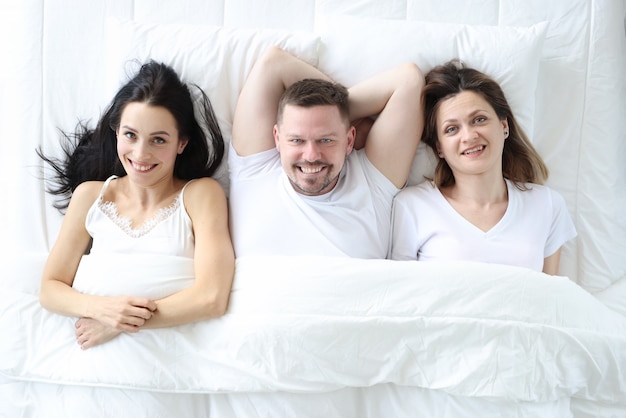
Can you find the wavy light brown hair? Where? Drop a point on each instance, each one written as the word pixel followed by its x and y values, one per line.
pixel 521 163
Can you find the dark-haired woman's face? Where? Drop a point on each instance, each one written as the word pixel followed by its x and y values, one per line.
pixel 470 135
pixel 148 143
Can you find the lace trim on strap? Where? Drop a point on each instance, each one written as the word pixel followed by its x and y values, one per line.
pixel 125 224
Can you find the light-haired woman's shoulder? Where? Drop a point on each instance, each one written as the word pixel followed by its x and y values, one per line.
pixel 540 194
pixel 417 193
pixel 537 189
pixel 425 187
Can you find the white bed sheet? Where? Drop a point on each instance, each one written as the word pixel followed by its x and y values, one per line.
pixel 45 400
pixel 315 325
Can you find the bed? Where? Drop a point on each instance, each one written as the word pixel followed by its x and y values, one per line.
pixel 309 336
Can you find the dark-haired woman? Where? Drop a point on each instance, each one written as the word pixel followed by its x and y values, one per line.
pixel 140 184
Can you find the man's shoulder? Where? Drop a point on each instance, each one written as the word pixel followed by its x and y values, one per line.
pixel 242 167
pixel 357 162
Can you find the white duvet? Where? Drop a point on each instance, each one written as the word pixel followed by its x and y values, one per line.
pixel 311 325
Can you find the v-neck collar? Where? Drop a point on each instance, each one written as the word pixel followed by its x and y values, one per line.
pixel 446 204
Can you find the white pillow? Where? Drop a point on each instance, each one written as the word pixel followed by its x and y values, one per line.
pixel 354 48
pixel 217 59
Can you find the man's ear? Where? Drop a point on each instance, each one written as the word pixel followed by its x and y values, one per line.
pixel 363 127
pixel 351 138
pixel 276 137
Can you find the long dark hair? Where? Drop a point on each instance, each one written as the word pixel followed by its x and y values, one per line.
pixel 91 154
pixel 521 163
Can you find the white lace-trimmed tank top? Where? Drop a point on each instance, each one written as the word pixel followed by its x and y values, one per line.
pixel 168 232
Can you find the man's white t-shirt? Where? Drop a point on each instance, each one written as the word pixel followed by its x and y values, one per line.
pixel 426 227
pixel 268 217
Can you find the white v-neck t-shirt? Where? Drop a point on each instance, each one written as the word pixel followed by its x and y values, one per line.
pixel 426 227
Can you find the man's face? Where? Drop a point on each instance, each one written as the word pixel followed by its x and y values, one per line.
pixel 313 143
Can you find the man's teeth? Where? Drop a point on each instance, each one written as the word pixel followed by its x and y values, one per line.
pixel 311 170
pixel 474 150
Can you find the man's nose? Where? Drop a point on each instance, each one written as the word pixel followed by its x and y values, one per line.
pixel 311 151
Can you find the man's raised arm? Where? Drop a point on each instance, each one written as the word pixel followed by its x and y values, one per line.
pixel 255 114
pixel 394 136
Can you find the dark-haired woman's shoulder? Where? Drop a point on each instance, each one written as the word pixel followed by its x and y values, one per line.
pixel 202 194
pixel 85 195
pixel 73 234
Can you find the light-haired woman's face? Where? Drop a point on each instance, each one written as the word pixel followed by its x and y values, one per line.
pixel 470 135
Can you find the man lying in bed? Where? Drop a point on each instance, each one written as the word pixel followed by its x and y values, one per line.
pixel 299 182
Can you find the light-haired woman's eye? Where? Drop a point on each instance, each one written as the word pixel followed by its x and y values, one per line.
pixel 449 130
